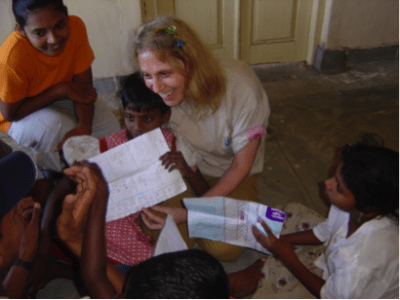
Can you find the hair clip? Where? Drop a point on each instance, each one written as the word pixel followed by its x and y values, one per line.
pixel 171 29
pixel 180 43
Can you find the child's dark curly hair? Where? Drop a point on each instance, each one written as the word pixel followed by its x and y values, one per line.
pixel 372 175
pixel 137 96
pixel 179 275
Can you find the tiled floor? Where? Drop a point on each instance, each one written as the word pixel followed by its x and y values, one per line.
pixel 312 114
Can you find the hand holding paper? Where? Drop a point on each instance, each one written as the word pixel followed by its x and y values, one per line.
pixel 135 175
pixel 230 221
pixel 278 247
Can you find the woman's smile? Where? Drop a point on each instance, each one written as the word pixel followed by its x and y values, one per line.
pixel 165 78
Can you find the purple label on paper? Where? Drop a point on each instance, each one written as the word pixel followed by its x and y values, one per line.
pixel 275 215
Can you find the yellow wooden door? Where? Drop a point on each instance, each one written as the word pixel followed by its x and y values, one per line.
pixel 275 30
pixel 215 21
pixel 256 31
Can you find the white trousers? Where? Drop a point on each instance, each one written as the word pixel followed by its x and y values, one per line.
pixel 42 130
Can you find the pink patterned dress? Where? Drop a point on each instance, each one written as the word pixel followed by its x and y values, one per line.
pixel 126 243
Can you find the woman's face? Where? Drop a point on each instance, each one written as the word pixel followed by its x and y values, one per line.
pixel 338 193
pixel 165 78
pixel 47 30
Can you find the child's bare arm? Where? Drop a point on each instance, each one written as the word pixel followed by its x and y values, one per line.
pixel 17 276
pixel 94 258
pixel 302 238
pixel 285 252
pixel 51 210
pixel 175 160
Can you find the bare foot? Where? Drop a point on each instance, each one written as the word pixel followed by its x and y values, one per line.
pixel 245 282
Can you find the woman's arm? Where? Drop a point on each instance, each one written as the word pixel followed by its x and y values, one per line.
pixel 237 172
pixel 18 110
pixel 83 111
pixel 74 90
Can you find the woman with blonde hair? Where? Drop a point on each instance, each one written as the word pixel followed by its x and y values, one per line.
pixel 218 106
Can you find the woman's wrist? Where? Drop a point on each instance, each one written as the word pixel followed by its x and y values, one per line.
pixel 86 127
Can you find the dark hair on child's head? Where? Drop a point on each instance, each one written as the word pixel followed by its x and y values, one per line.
pixel 372 175
pixel 137 96
pixel 22 8
pixel 184 274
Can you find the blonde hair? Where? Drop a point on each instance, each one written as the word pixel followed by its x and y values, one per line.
pixel 170 36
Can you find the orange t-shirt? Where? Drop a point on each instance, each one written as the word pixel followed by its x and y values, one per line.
pixel 26 72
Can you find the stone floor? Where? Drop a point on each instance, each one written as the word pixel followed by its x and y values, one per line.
pixel 312 114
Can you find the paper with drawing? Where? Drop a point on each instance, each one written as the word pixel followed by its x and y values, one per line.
pixel 229 220
pixel 135 175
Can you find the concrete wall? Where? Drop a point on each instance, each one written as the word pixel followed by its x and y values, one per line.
pixel 109 23
pixel 346 24
pixel 360 24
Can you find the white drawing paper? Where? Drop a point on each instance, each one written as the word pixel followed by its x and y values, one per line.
pixel 135 176
pixel 229 220
pixel 169 239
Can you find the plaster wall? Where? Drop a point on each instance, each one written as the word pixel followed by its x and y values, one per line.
pixel 110 25
pixel 360 24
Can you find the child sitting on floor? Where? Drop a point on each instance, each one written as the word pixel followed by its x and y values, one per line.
pixel 361 234
pixel 144 111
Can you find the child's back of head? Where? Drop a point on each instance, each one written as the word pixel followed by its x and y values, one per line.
pixel 183 274
pixel 372 175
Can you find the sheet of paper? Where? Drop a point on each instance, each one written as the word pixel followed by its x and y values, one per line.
pixel 169 239
pixel 229 220
pixel 135 175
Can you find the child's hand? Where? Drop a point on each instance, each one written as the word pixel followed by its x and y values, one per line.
pixel 72 221
pixel 27 218
pixel 80 92
pixel 279 247
pixel 174 160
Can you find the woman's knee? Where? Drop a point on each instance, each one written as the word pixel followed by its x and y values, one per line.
pixel 220 250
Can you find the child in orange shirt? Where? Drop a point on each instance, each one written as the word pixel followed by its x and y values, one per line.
pixel 46 88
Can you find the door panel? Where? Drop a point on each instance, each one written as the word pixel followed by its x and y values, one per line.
pixel 274 31
pixel 270 30
pixel 213 20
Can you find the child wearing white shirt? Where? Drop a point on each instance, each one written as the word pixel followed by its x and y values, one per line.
pixel 361 234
